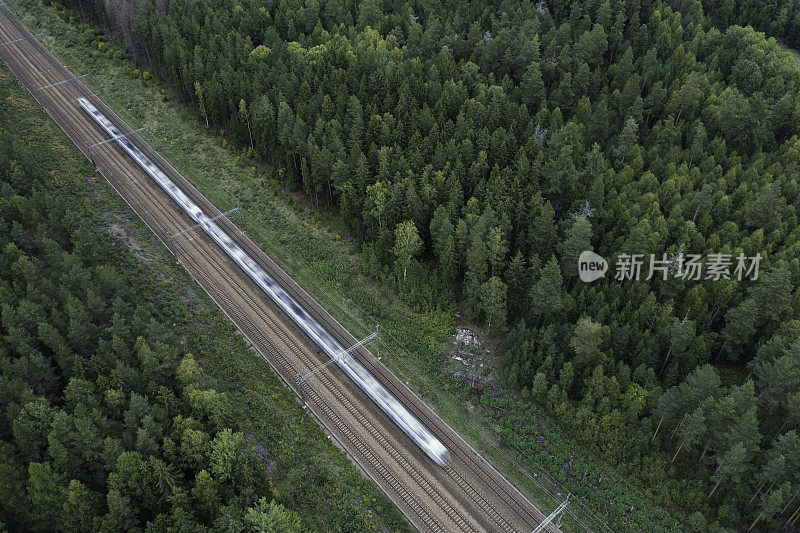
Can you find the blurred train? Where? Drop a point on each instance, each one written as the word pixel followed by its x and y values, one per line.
pixel 393 408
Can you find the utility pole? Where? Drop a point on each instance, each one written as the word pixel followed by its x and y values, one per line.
pixel 556 514
pixel 192 228
pixel 301 379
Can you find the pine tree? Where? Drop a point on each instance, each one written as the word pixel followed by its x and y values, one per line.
pixel 498 248
pixel 731 467
pixel 444 243
pixel 680 334
pixel 627 139
pixel 772 295
pixel 533 87
pixel 543 233
pixel 518 283
pixel 545 294
pixel 740 326
pixel 354 123
pixel 578 239
pixel 477 259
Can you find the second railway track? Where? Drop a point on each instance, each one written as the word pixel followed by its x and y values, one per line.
pixel 469 495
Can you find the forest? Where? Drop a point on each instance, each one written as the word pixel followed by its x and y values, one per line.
pixel 108 422
pixel 777 19
pixel 473 150
pixel 104 425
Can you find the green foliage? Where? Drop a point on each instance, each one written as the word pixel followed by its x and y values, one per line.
pixel 270 517
pixel 106 423
pixel 587 340
pixel 516 135
pixel 407 244
pixel 493 301
pixel 779 19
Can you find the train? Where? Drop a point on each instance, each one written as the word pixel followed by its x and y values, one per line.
pixel 410 425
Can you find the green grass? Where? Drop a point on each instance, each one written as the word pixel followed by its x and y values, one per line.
pixel 309 247
pixel 795 53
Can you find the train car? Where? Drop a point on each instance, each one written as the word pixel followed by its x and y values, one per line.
pixel 421 436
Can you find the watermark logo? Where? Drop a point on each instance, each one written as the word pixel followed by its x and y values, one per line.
pixel 591 266
pixel 691 267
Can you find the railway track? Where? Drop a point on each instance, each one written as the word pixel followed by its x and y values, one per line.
pixel 460 450
pixel 469 495
pixel 355 412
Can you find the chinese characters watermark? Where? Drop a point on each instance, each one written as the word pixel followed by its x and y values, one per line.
pixel 689 267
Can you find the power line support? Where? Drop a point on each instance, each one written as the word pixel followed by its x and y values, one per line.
pixel 192 228
pixel 301 379
pixel 362 342
pixel 555 515
pixel 173 244
pixel 21 38
pixel 239 214
pixel 56 84
pixel 116 138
